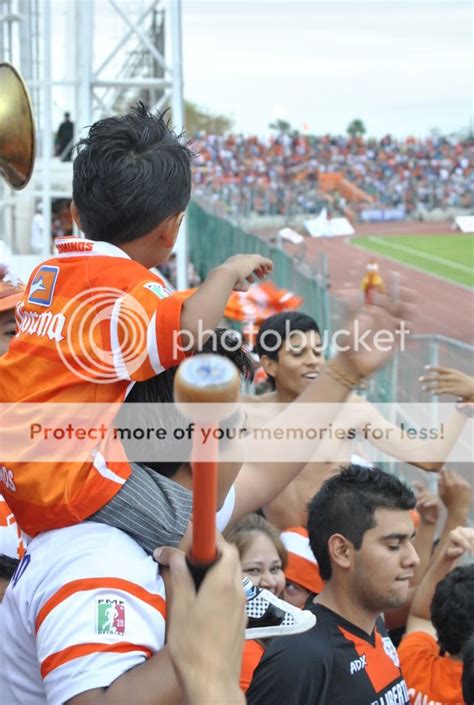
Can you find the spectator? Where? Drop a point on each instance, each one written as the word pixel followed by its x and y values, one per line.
pixel 11 291
pixel 64 139
pixel 263 559
pixel 289 345
pixel 239 176
pixel 37 230
pixel 303 580
pixel 360 531
pixel 431 651
pixel 263 556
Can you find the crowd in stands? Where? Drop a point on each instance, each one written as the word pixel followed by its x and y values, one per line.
pixel 335 582
pixel 280 175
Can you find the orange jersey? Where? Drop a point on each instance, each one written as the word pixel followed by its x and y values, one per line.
pixel 251 657
pixel 90 324
pixel 430 678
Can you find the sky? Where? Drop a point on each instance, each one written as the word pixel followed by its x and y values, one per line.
pixel 402 67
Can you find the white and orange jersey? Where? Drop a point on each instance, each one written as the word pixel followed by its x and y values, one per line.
pixel 11 539
pixel 91 323
pixel 302 567
pixel 85 605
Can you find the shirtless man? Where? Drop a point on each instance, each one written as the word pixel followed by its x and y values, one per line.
pixel 289 345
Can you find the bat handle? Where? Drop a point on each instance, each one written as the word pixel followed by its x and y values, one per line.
pixel 198 570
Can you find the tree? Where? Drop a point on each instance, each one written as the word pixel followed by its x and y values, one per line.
pixel 356 128
pixel 281 126
pixel 198 119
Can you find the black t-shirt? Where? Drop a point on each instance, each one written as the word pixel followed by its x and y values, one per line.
pixel 334 663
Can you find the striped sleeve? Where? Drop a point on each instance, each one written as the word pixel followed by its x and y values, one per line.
pixel 145 332
pixel 92 630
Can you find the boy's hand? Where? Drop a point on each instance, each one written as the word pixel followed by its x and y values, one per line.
pixel 460 541
pixel 427 504
pixel 456 494
pixel 246 268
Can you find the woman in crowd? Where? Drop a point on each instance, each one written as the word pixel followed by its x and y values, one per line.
pixel 263 559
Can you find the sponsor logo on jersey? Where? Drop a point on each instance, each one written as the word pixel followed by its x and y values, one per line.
pixel 6 476
pixel 41 324
pixel 358 664
pixel 42 287
pixel 391 651
pixel 111 616
pixel 75 246
pixel 158 289
pixel 396 695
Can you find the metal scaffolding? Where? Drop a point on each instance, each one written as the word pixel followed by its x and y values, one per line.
pixel 92 58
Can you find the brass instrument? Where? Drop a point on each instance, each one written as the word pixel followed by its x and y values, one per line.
pixel 17 128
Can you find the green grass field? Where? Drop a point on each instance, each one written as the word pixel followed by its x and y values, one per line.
pixel 449 256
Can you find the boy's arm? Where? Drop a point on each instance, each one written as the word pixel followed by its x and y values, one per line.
pixel 203 310
pixel 456 494
pixel 459 542
pixel 428 508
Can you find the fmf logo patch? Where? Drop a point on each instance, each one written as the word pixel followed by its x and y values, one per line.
pixel 158 290
pixel 111 617
pixel 42 286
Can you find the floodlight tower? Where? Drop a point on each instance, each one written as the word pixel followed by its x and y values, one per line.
pixel 92 58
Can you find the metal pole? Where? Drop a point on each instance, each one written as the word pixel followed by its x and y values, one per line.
pixel 181 248
pixel 47 146
pixel 84 13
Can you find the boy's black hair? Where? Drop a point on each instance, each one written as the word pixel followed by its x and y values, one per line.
pixel 346 504
pixel 159 389
pixel 275 329
pixel 452 609
pixel 131 173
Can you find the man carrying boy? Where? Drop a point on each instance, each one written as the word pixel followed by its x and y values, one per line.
pixel 94 320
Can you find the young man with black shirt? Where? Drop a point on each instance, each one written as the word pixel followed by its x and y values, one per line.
pixel 360 531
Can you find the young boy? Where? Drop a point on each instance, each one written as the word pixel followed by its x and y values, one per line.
pixel 93 320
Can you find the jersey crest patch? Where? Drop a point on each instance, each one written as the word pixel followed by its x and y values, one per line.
pixel 391 651
pixel 160 291
pixel 42 286
pixel 111 617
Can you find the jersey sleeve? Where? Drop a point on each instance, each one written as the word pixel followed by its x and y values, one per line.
pixel 293 670
pixel 145 332
pixel 91 631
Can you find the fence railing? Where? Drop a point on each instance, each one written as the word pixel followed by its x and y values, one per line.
pixel 213 239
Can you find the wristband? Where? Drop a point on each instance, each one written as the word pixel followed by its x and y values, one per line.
pixel 347 380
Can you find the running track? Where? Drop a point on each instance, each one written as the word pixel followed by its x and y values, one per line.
pixel 442 307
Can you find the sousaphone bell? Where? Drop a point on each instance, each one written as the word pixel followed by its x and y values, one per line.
pixel 17 128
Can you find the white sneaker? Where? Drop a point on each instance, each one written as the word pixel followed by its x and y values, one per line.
pixel 268 616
